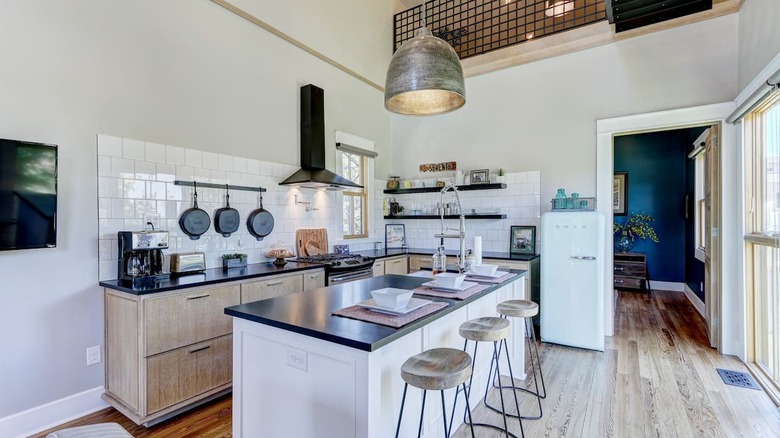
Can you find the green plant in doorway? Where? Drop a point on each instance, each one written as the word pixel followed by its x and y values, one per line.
pixel 636 226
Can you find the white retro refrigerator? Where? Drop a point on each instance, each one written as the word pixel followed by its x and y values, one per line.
pixel 572 279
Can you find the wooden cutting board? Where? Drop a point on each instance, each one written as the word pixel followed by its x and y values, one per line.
pixel 315 238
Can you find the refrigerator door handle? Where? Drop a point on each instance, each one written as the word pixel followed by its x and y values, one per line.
pixel 584 257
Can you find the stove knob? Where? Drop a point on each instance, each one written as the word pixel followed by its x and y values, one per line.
pixel 337 263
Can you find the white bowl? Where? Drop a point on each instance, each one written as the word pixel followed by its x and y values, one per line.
pixel 391 298
pixel 485 269
pixel 450 280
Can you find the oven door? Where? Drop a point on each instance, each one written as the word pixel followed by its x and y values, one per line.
pixel 345 277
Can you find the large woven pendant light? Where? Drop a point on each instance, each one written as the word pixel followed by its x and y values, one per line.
pixel 425 77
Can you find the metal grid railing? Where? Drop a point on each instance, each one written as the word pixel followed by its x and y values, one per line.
pixel 474 27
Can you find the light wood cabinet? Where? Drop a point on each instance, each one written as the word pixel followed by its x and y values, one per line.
pixel 313 279
pixel 378 268
pixel 532 285
pixel 397 265
pixel 417 262
pixel 630 271
pixel 271 287
pixel 166 352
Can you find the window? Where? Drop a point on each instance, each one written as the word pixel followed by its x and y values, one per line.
pixel 762 135
pixel 354 167
pixel 699 155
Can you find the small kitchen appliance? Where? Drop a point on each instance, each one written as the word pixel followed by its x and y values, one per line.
pixel 188 263
pixel 140 256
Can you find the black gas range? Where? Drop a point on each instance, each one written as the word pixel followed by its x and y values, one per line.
pixel 341 268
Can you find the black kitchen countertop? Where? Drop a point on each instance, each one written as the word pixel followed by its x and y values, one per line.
pixel 310 313
pixel 211 276
pixel 384 253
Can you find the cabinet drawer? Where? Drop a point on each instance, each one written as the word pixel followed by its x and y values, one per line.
pixel 313 279
pixel 628 282
pixel 397 266
pixel 418 262
pixel 271 287
pixel 378 269
pixel 177 375
pixel 630 269
pixel 177 320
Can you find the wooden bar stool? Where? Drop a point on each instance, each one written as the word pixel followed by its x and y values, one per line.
pixel 436 370
pixel 495 330
pixel 524 309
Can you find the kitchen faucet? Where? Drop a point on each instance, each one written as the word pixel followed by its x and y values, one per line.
pixel 461 230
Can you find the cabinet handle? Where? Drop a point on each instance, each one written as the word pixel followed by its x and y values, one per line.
pixel 199 349
pixel 197 297
pixel 620 268
pixel 396 262
pixel 274 283
pixel 314 275
pixel 618 281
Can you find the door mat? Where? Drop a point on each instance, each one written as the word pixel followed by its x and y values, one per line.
pixel 738 378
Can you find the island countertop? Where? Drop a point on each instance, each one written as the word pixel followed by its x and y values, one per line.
pixel 310 313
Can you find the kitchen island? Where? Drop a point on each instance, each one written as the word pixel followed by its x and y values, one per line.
pixel 300 371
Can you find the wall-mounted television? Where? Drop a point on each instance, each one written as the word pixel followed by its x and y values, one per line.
pixel 28 195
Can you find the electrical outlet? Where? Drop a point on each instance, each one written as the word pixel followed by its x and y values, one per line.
pixel 154 219
pixel 297 359
pixel 93 355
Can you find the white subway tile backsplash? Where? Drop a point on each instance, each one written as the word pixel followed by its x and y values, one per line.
pixel 239 164
pixel 166 172
pixel 104 208
pixel 218 177
pixel 156 190
pixel 225 162
pixel 133 149
pixel 122 168
pixel 122 208
pixel 155 152
pixel 174 192
pixel 134 189
pixel 184 173
pixel 210 160
pixel 145 170
pixel 104 166
pixel 201 175
pixel 252 167
pixel 174 155
pixel 193 158
pixel 109 146
pixel 109 187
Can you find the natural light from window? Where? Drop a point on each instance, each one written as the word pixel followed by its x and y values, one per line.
pixel 354 217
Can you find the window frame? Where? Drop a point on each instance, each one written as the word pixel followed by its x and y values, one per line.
pixel 361 194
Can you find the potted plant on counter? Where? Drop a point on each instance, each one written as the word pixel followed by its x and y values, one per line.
pixel 636 226
pixel 236 260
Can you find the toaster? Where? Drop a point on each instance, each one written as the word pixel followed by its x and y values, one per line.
pixel 186 263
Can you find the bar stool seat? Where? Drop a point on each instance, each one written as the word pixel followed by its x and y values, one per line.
pixel 518 308
pixel 487 329
pixel 436 370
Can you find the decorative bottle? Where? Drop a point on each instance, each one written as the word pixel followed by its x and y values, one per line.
pixel 439 263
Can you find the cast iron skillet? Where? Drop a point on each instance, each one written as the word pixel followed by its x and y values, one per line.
pixel 260 222
pixel 227 219
pixel 194 221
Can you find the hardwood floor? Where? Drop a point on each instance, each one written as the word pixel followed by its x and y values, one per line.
pixel 656 378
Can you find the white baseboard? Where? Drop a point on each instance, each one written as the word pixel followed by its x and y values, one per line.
pixel 51 414
pixel 667 285
pixel 698 304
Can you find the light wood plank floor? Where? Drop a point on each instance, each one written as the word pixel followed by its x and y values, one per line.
pixel 656 378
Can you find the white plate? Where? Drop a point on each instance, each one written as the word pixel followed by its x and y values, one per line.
pixel 414 304
pixel 497 274
pixel 463 286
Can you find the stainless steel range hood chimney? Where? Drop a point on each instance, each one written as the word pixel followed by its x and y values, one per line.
pixel 313 174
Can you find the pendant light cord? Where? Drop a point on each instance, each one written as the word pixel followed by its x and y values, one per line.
pixel 424 13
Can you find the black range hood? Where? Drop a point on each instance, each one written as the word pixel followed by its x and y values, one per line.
pixel 632 14
pixel 313 174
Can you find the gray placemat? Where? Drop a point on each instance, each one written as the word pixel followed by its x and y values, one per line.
pixel 500 279
pixel 462 295
pixel 395 321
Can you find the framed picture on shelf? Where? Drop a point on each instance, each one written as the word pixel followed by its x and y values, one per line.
pixel 620 194
pixel 522 239
pixel 479 176
pixel 395 235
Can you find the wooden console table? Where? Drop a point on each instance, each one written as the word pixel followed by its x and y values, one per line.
pixel 630 271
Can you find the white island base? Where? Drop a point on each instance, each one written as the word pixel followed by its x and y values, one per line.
pixel 290 385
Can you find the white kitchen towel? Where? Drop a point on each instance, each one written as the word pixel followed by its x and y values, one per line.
pixel 478 249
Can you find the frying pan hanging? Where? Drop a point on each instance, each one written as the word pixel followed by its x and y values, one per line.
pixel 227 219
pixel 260 222
pixel 194 221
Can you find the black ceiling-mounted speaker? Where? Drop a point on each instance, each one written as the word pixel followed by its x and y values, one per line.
pixel 632 14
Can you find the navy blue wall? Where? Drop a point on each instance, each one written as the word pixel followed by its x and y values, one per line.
pixel 656 164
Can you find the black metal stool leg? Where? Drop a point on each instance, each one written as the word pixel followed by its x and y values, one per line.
pixel 444 414
pixel 468 409
pixel 401 414
pixel 514 393
pixel 538 360
pixel 422 415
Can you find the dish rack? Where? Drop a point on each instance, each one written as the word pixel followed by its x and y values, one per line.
pixel 574 204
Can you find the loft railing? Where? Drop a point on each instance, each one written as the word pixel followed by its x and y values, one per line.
pixel 474 27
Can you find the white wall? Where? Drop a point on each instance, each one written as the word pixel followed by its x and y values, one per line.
pixel 759 37
pixel 542 116
pixel 176 72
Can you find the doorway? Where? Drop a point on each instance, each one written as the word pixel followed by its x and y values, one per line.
pixel 727 317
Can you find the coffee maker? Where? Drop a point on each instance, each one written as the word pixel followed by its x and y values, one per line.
pixel 141 258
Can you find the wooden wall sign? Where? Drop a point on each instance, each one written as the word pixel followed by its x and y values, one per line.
pixel 439 167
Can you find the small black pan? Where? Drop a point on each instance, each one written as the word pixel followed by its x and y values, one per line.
pixel 227 219
pixel 260 222
pixel 194 221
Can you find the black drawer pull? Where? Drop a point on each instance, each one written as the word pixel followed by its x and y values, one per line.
pixel 198 297
pixel 620 268
pixel 618 281
pixel 199 349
